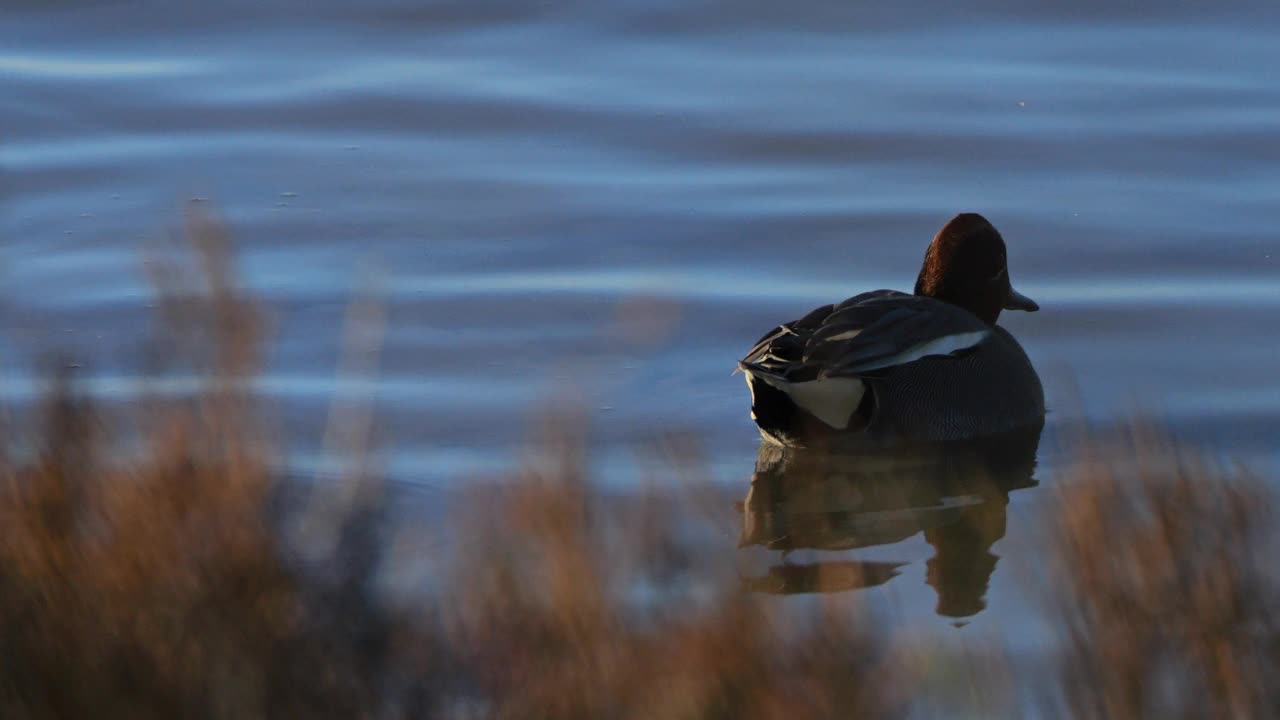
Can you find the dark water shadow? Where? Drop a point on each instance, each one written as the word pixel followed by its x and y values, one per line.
pixel 956 494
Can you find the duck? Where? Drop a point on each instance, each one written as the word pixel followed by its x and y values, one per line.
pixel 886 366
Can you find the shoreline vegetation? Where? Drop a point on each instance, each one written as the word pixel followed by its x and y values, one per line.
pixel 153 566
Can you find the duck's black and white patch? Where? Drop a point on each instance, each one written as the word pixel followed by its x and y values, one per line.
pixel 831 400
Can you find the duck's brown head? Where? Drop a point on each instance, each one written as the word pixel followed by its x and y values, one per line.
pixel 965 265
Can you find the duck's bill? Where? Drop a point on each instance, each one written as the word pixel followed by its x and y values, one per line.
pixel 1018 301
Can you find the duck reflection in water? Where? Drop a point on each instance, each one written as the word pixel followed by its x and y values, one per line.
pixel 956 493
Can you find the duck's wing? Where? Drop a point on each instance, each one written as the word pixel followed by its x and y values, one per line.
pixel 867 333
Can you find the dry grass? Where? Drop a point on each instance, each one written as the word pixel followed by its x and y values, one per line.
pixel 548 600
pixel 155 583
pixel 1164 589
pixel 152 583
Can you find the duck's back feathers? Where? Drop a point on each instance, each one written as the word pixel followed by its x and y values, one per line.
pixel 830 364
pixel 868 332
pixel 884 329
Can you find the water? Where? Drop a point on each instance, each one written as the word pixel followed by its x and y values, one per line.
pixel 609 202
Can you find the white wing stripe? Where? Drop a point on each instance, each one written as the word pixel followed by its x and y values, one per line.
pixel 945 345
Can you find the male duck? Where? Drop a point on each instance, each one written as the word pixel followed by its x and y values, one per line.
pixel 887 366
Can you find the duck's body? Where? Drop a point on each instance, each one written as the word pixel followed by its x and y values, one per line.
pixel 886 366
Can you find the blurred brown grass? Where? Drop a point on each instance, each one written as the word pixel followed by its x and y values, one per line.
pixel 1165 588
pixel 547 605
pixel 152 583
pixel 155 582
